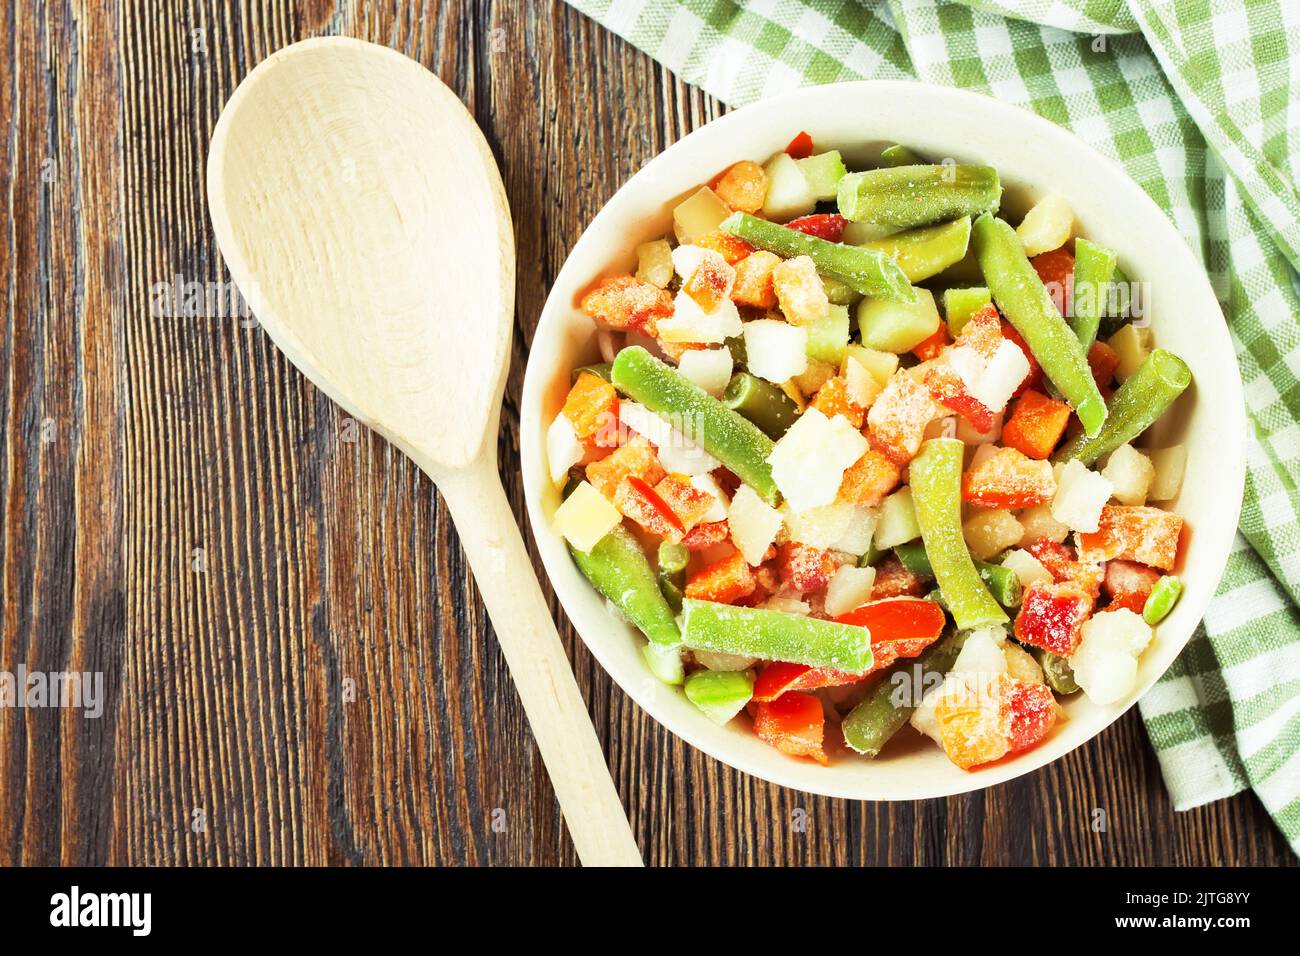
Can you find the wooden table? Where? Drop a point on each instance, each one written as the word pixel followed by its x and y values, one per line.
pixel 296 666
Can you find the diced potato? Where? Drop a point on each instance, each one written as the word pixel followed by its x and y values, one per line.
pixel 1105 662
pixel 1080 496
pixel 714 661
pixel 892 326
pixel 710 369
pixel 811 379
pixel 809 461
pixel 1119 630
pixel 654 262
pixel 702 212
pixel 823 171
pixel 849 588
pixel 690 323
pixel 1000 377
pixel 775 350
pixel 754 524
pixel 899 415
pixel 819 527
pixel 881 365
pixel 1047 226
pixel 1021 664
pixel 563 450
pixel 990 532
pixel 753 286
pixel 788 192
pixel 1130 472
pixel 718 510
pixel 1027 568
pixel 856 539
pixel 1039 526
pixel 1169 465
pixel 863 387
pixel 983 656
pixel 800 292
pixel 897 522
pixel 1132 343
pixel 585 517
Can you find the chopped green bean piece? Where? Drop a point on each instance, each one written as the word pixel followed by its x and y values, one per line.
pixel 1056 671
pixel 1140 400
pixel 823 172
pixel 601 369
pixel 736 346
pixel 927 251
pixel 721 695
pixel 762 403
pixel 618 568
pixel 775 636
pixel 864 270
pixel 1094 266
pixel 1028 306
pixel 839 293
pixel 960 304
pixel 672 572
pixel 726 435
pixel 665 662
pixel 1002 582
pixel 936 495
pixel 907 196
pixel 897 155
pixel 1162 599
pixel 891 702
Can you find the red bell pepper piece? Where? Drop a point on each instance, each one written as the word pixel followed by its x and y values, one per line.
pixel 781 677
pixel 800 147
pixel 1052 615
pixel 1032 712
pixel 900 627
pixel 823 225
pixel 1129 584
pixel 794 724
pixel 652 499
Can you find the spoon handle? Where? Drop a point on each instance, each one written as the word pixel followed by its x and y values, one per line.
pixel 541 671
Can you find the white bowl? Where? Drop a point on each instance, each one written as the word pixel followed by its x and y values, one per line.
pixel 1033 157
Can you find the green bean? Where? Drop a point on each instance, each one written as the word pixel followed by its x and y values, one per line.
pixel 839 293
pixel 762 403
pixel 1028 306
pixel 721 695
pixel 618 568
pixel 1094 266
pixel 672 572
pixel 906 196
pixel 891 702
pixel 1144 397
pixel 664 661
pixel 726 435
pixel 927 251
pixel 864 270
pixel 1162 599
pixel 775 636
pixel 1056 671
pixel 935 478
pixel 960 304
pixel 1002 582
pixel 601 370
pixel 872 557
pixel 897 155
pixel 736 346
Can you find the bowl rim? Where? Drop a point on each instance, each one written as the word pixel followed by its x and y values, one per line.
pixel 790 772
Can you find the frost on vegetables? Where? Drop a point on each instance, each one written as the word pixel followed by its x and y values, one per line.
pixel 818 465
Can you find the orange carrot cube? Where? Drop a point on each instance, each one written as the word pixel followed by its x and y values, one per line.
pixel 742 186
pixel 1009 479
pixel 833 399
pixel 732 248
pixel 689 503
pixel 725 581
pixel 638 457
pixel 898 418
pixel 982 331
pixel 1056 270
pixel 710 283
pixel 1103 360
pixel 1036 425
pixel 592 409
pixel 1134 533
pixel 869 479
pixel 1129 584
pixel 753 285
pixel 624 302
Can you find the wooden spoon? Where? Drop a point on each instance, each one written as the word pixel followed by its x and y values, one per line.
pixel 361 214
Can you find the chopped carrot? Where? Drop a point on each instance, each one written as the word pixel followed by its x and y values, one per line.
pixel 1056 270
pixel 754 281
pixel 899 415
pixel 1036 424
pixel 710 283
pixel 833 399
pixel 725 581
pixel 742 186
pixel 1009 479
pixel 1103 360
pixel 732 248
pixel 982 331
pixel 638 457
pixel 638 501
pixel 624 302
pixel 869 479
pixel 592 409
pixel 1134 533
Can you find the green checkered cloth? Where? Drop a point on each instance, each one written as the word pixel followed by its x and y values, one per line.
pixel 1198 100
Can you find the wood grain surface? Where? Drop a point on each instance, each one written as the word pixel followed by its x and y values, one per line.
pixel 296 666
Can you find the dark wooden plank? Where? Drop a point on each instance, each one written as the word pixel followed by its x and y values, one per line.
pixel 297 665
